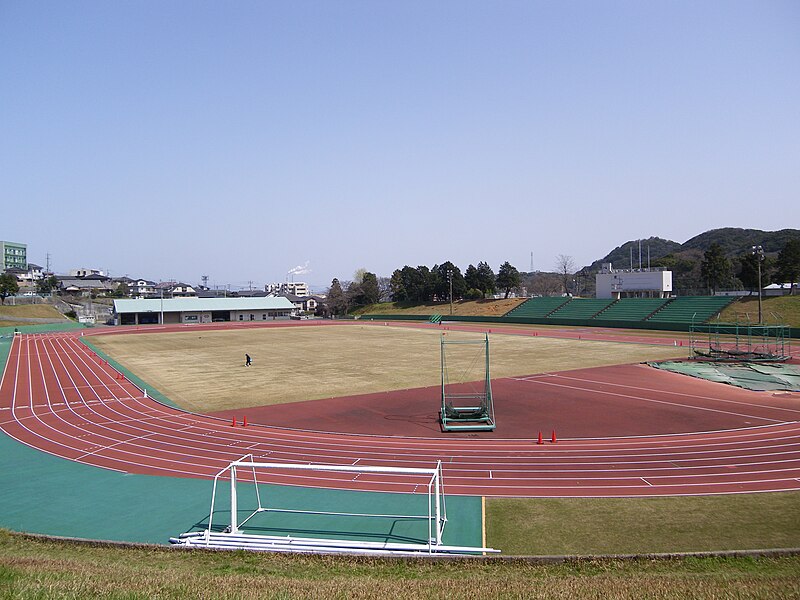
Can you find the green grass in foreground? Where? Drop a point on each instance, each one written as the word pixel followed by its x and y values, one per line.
pixel 535 526
pixel 37 568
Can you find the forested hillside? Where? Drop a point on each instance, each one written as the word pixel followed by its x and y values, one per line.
pixel 733 247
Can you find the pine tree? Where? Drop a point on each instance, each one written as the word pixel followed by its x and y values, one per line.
pixel 789 263
pixel 716 269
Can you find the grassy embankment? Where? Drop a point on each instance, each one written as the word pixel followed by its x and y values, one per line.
pixel 784 310
pixel 466 308
pixel 9 315
pixel 36 568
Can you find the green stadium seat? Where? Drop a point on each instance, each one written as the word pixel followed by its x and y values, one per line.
pixel 537 308
pixel 632 309
pixel 580 308
pixel 688 309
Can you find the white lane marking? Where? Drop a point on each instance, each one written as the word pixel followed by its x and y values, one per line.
pixel 672 393
pixel 653 400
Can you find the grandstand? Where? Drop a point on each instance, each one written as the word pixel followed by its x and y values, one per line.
pixel 669 314
pixel 537 308
pixel 690 309
pixel 581 308
pixel 660 312
pixel 632 309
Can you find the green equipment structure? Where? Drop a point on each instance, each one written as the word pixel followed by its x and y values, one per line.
pixel 466 386
pixel 741 342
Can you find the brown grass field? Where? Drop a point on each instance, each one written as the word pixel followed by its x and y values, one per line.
pixel 204 371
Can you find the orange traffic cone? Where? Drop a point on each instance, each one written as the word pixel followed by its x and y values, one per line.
pixel 553 439
pixel 244 421
pixel 541 441
pixel 233 422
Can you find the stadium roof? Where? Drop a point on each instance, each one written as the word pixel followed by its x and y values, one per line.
pixel 201 304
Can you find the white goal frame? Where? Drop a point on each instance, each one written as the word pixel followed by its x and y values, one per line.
pixel 233 538
pixel 437 511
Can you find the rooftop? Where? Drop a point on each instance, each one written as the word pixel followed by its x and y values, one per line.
pixel 201 304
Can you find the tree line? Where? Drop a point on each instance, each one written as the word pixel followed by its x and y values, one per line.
pixel 742 272
pixel 414 285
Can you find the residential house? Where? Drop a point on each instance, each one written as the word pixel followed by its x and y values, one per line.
pixel 142 288
pixel 306 304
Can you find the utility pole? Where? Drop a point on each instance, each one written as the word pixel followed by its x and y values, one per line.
pixel 450 279
pixel 758 251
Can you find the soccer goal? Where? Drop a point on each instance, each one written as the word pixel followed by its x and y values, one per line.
pixel 245 472
pixel 466 385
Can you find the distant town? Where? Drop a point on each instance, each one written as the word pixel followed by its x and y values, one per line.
pixel 82 284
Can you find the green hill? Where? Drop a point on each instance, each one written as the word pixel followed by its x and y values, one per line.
pixel 736 241
pixel 620 256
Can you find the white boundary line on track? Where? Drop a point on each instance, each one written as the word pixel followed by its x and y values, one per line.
pixel 652 400
pixel 675 393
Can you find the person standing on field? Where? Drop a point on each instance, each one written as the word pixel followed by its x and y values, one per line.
pixel 247 360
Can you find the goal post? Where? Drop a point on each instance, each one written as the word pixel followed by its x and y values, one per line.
pixel 237 537
pixel 436 516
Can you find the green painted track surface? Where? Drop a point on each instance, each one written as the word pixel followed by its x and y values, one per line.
pixel 41 493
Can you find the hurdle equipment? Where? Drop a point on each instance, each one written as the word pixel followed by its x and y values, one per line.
pixel 466 403
pixel 236 537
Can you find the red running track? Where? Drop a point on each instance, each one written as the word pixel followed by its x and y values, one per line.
pixel 58 397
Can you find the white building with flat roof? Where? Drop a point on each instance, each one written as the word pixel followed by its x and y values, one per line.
pixel 200 310
pixel 633 283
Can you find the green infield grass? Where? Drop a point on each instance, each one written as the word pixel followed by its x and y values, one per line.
pixel 542 526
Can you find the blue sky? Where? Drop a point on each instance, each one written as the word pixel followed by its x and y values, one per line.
pixel 239 140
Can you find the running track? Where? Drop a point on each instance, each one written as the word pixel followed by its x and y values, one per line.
pixel 60 398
